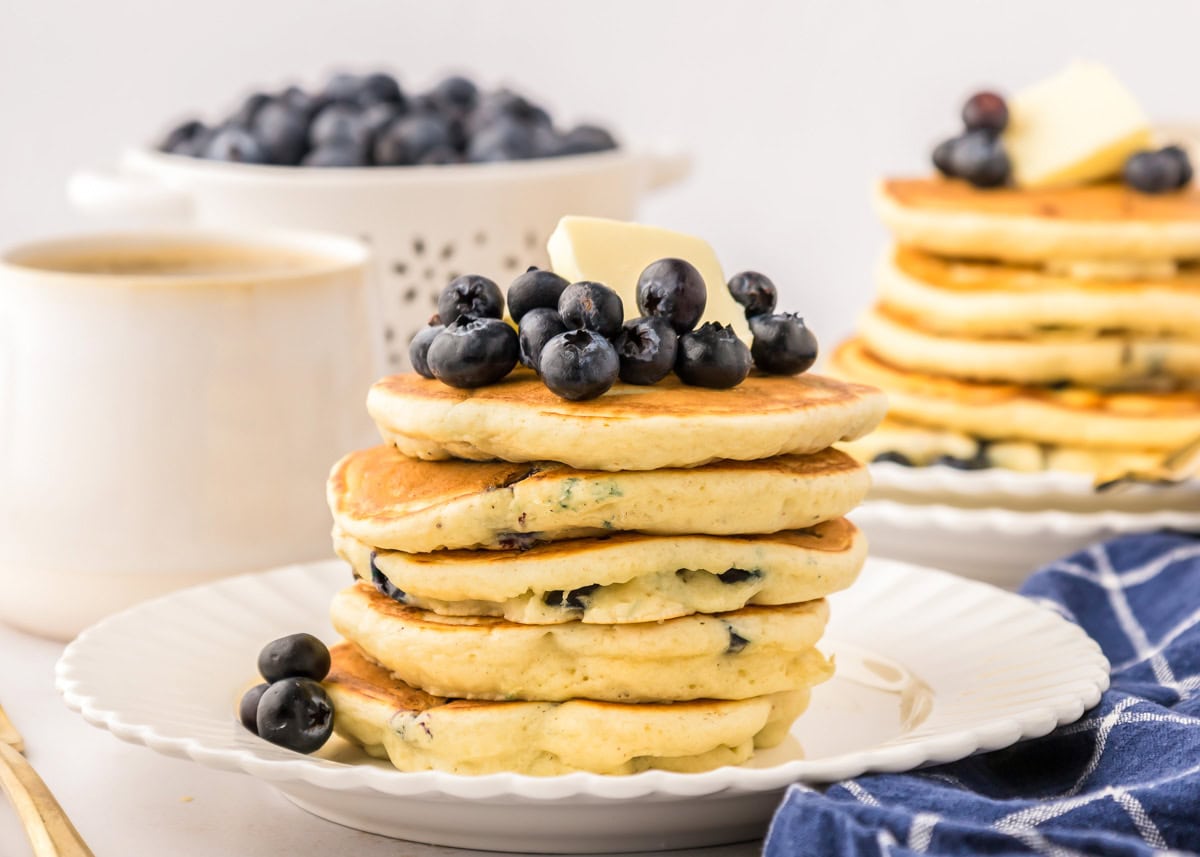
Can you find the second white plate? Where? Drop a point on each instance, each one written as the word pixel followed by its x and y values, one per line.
pixel 931 668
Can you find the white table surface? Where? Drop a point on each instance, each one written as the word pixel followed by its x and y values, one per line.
pixel 129 801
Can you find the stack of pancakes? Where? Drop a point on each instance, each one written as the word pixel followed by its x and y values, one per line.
pixel 1034 329
pixel 627 583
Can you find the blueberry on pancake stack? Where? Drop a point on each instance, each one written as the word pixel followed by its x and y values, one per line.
pixel 613 557
pixel 1041 307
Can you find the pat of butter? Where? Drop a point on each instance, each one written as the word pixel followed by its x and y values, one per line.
pixel 1079 126
pixel 615 253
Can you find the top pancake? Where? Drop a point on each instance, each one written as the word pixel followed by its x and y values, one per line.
pixel 1102 222
pixel 630 427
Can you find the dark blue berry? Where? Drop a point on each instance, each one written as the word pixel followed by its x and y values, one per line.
pixel 282 131
pixel 538 326
pixel 584 139
pixel 1185 164
pixel 455 94
pixel 943 157
pixel 471 295
pixel 535 288
pixel 712 356
pixel 338 121
pixel 782 345
pixel 977 462
pixel 248 707
pixel 337 153
pixel 579 364
pixel 893 457
pixel 295 713
pixel 592 306
pixel 646 348
pixel 575 599
pixel 754 291
pixel 979 158
pixel 408 140
pixel 672 289
pixel 343 87
pixel 504 139
pixel 1153 172
pixel 244 116
pixel 473 352
pixel 377 88
pixel 296 655
pixel 378 116
pixel 418 349
pixel 236 145
pixel 180 139
pixel 738 575
pixel 385 586
pixel 985 111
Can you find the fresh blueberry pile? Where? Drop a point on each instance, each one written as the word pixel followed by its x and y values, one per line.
pixel 977 155
pixel 576 338
pixel 290 708
pixel 368 120
pixel 1158 171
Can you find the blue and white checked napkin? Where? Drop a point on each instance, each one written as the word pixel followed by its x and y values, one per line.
pixel 1124 780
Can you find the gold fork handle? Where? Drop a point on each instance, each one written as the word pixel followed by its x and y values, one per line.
pixel 50 831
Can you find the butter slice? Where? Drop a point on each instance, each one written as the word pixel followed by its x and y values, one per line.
pixel 1079 126
pixel 615 253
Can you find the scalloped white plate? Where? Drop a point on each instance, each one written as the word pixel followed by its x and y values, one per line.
pixel 931 668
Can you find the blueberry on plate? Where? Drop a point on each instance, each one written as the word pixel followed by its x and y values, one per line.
pixel 504 139
pixel 294 656
pixel 892 456
pixel 236 145
pixel 180 139
pixel 295 713
pixel 343 86
pixel 1154 172
pixel 579 364
pixel 338 121
pixel 712 356
pixel 337 153
pixel 473 352
pixel 376 117
pixel 674 290
pixel 943 157
pixel 538 326
pixel 379 87
pixel 782 345
pixel 418 349
pixel 985 111
pixel 646 348
pixel 409 140
pixel 248 707
pixel 455 95
pixel 585 139
pixel 535 288
pixel 244 116
pixel 592 306
pixel 1185 164
pixel 754 291
pixel 282 131
pixel 471 295
pixel 980 158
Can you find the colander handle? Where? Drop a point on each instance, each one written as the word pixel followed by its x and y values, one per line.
pixel 122 197
pixel 666 168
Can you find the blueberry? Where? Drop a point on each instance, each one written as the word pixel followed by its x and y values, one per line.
pixel 782 344
pixel 712 356
pixel 338 121
pixel 1185 164
pixel 337 153
pixel 294 656
pixel 245 115
pixel 304 102
pixel 343 87
pixel 591 306
pixel 418 349
pixel 738 575
pixel 575 599
pixel 180 139
pixel 754 291
pixel 235 145
pixel 377 88
pixel 455 95
pixel 406 141
pixel 535 288
pixel 473 352
pixel 673 289
pixel 943 157
pixel 295 713
pixel 1153 172
pixel 579 364
pixel 978 462
pixel 538 326
pixel 505 139
pixel 985 111
pixel 583 139
pixel 646 348
pixel 385 586
pixel 282 131
pixel 504 103
pixel 471 295
pixel 891 456
pixel 248 707
pixel 378 116
pixel 979 157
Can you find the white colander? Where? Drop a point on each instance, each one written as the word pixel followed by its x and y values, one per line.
pixel 425 225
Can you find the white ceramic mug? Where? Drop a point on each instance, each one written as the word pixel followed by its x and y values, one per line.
pixel 170 405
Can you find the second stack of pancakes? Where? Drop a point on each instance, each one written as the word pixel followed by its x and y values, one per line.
pixel 627 583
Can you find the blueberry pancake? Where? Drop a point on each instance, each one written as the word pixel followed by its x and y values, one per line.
pixel 389 501
pixel 737 655
pixel 419 732
pixel 631 427
pixel 1024 225
pixel 618 579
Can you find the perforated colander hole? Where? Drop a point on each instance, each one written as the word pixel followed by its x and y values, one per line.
pixel 418 245
pixel 511 263
pixel 389 333
pixel 410 294
pixel 531 240
pixel 481 238
pixel 447 252
pixel 400 268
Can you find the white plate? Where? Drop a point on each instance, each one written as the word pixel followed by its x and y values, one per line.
pixel 931 668
pixel 997 546
pixel 1011 489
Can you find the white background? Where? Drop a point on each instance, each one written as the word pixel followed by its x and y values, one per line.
pixel 791 108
